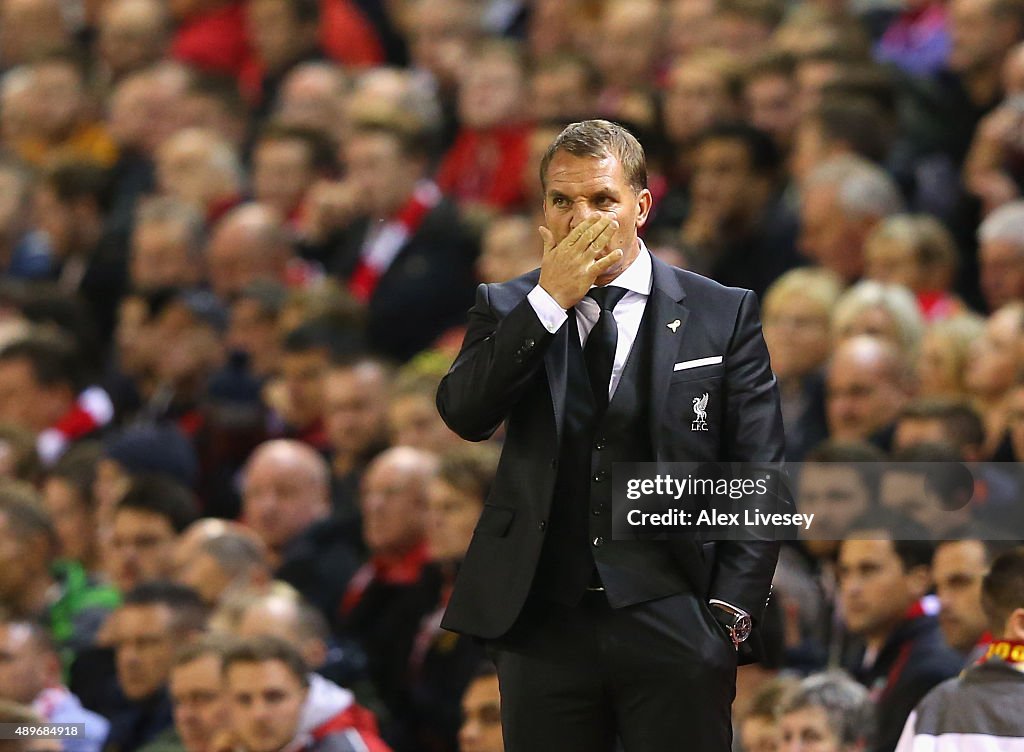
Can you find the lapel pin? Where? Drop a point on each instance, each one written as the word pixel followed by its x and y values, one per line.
pixel 673 325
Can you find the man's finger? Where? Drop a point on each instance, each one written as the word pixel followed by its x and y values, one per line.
pixel 579 231
pixel 599 243
pixel 605 263
pixel 591 233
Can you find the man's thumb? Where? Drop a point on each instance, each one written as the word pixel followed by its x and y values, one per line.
pixel 548 238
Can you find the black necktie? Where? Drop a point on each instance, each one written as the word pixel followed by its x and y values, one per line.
pixel 599 352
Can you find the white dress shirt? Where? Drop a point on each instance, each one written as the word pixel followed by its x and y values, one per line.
pixel 637 279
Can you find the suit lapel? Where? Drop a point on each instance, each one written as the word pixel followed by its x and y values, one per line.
pixel 556 363
pixel 666 307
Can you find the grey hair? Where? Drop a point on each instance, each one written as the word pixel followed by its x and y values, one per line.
pixel 862 189
pixel 166 209
pixel 845 702
pixel 895 300
pixel 1005 224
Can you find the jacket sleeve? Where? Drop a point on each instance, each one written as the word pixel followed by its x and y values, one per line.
pixel 498 360
pixel 753 434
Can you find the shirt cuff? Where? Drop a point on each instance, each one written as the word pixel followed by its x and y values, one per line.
pixel 551 315
pixel 729 606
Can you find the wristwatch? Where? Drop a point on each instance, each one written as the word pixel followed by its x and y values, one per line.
pixel 737 623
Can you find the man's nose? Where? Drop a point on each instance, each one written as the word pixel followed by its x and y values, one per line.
pixel 581 210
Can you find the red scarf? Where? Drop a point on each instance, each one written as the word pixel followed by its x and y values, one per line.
pixel 389 570
pixel 91 412
pixel 383 244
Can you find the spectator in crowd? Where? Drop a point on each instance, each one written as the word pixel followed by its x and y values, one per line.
pixel 200 707
pixel 838 127
pixel 1001 255
pixel 738 229
pixel 389 594
pixel 829 712
pixel 510 247
pixel 927 483
pixel 943 357
pixel 415 278
pixel 313 96
pixel 916 251
pixel 867 383
pixel 30 674
pixel 67 495
pixel 769 97
pixel 481 713
pixel 35 585
pixel 978 699
pixel 201 168
pixel 627 50
pixel 994 360
pixel 877 309
pixel 884 575
pixel 150 449
pixel 283 34
pixel 249 244
pixel 701 89
pixel 306 353
pixel 286 617
pixel 155 619
pixel 441 667
pixel 797 307
pixel 145 526
pixel 286 160
pixel 286 501
pixel 355 401
pixel 60 124
pixel 71 200
pixel 843 199
pixel 562 87
pixel 492 143
pixel 757 725
pixel 224 564
pixel 252 337
pixel 131 36
pixel 440 36
pixel 166 246
pixel 277 705
pixel 30 29
pixel 413 420
pixel 838 483
pixel 958 567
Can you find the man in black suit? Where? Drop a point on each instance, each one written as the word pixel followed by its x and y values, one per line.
pixel 594 638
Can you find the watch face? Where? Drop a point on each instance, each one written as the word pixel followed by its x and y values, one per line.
pixel 743 627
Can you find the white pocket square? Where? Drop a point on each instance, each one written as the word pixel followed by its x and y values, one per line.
pixel 682 366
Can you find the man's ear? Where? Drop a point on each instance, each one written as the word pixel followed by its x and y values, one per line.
pixel 644 202
pixel 1014 628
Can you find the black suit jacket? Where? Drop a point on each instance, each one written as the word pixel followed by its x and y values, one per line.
pixel 426 289
pixel 512 369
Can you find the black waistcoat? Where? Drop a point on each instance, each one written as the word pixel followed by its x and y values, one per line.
pixel 578 550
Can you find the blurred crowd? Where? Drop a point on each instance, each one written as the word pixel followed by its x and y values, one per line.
pixel 238 242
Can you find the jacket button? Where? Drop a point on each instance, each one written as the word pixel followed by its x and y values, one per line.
pixel 600 475
pixel 599 541
pixel 528 344
pixel 543 525
pixel 596 511
pixel 600 444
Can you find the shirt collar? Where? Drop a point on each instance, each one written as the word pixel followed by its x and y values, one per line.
pixel 638 276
